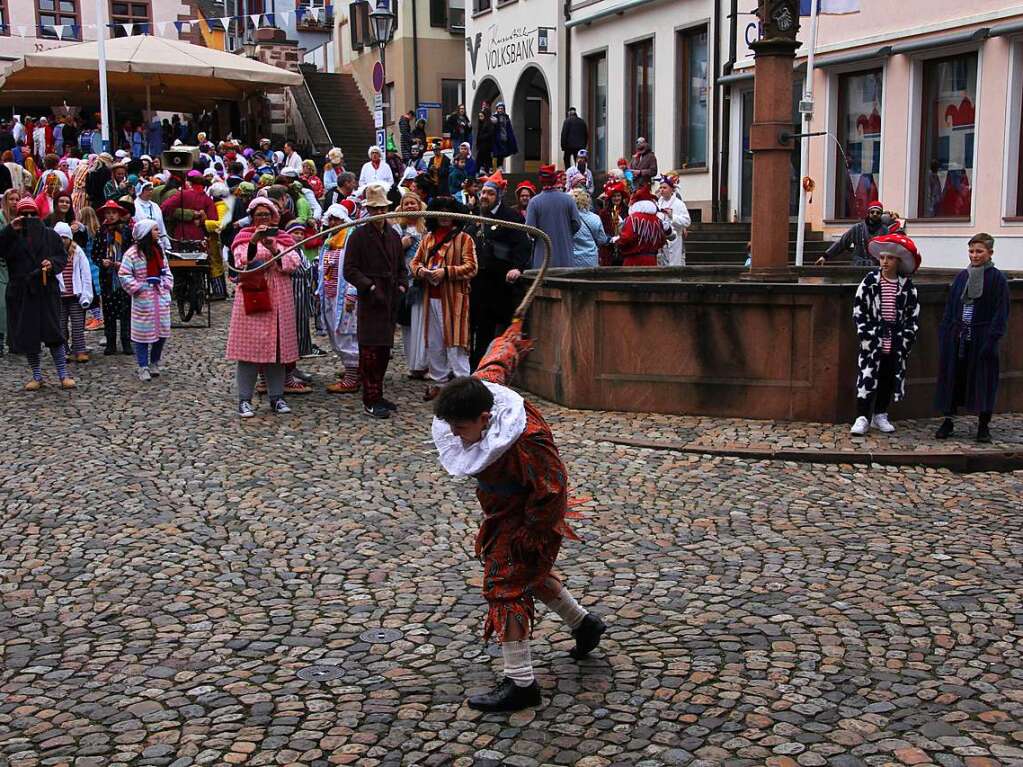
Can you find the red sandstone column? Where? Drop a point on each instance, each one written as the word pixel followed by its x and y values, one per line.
pixel 772 115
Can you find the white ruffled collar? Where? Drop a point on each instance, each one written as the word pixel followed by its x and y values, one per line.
pixel 507 422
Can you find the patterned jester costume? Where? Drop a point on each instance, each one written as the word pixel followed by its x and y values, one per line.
pixel 523 491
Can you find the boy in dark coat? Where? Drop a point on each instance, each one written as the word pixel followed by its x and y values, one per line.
pixel 375 265
pixel 976 318
pixel 35 256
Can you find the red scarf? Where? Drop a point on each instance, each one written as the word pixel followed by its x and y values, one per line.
pixel 154 262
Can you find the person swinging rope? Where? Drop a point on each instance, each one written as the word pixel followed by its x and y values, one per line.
pixel 485 430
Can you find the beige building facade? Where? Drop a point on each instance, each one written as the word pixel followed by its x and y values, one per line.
pixel 424 63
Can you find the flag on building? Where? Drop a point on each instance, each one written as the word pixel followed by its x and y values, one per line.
pixel 832 7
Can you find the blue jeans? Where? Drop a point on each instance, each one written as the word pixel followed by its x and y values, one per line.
pixel 148 353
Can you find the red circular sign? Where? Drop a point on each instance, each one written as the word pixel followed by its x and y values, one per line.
pixel 378 77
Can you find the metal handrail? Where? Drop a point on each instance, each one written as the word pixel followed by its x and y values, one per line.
pixel 323 123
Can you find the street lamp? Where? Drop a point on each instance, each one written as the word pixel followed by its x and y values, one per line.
pixel 382 23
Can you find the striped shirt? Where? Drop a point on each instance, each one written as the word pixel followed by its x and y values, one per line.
pixel 889 293
pixel 968 321
pixel 68 276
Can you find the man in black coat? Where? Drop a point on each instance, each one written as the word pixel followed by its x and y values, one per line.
pixel 574 136
pixel 502 254
pixel 35 255
pixel 375 265
pixel 855 240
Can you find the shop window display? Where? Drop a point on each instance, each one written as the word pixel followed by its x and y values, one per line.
pixel 949 115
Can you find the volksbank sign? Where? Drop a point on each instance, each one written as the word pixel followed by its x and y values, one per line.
pixel 501 50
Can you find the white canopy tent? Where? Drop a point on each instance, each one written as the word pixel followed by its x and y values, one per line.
pixel 142 71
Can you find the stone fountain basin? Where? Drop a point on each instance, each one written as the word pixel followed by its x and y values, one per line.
pixel 703 341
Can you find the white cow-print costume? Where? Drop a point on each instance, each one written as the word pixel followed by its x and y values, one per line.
pixel 870 329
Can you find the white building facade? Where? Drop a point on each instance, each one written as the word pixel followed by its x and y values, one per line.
pixel 921 110
pixel 513 54
pixel 631 68
pixel 644 69
pixel 29 26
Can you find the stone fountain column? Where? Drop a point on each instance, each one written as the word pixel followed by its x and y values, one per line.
pixel 775 52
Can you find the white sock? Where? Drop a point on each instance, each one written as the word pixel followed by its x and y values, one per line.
pixel 568 609
pixel 518 665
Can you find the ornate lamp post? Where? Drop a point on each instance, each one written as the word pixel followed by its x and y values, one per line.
pixel 772 117
pixel 382 24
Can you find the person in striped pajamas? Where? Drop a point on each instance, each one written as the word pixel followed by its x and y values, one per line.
pixel 75 294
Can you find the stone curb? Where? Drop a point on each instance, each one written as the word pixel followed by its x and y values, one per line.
pixel 962 462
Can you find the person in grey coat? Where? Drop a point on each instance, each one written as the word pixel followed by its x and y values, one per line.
pixel 556 213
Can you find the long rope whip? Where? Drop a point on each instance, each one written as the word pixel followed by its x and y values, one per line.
pixel 523 307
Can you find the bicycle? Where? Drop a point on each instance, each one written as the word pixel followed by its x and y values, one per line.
pixel 191 287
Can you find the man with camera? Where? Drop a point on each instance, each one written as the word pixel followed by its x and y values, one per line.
pixel 502 254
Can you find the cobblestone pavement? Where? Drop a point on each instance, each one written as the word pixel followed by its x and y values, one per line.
pixel 169 574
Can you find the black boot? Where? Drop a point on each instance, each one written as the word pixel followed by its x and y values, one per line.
pixel 587 636
pixel 983 432
pixel 945 430
pixel 507 697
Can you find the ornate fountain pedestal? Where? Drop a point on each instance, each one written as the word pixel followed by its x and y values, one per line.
pixel 702 341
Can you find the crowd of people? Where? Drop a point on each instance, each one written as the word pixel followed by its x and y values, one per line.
pixel 87 238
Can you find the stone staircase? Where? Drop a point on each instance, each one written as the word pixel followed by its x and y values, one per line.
pixel 725 243
pixel 346 120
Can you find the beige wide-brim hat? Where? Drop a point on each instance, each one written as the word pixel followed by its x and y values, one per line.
pixel 376 197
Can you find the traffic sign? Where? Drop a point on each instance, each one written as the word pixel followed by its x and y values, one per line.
pixel 381 138
pixel 378 101
pixel 378 118
pixel 422 114
pixel 378 77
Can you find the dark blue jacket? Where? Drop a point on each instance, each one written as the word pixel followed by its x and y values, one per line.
pixel 990 320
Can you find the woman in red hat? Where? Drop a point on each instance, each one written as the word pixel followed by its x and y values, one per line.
pixel 106 251
pixel 524 192
pixel 643 233
pixel 887 316
pixel 612 216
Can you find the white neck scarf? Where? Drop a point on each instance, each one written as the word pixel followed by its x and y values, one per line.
pixel 507 423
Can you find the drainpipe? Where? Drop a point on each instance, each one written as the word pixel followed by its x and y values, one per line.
pixel 725 134
pixel 415 55
pixel 566 93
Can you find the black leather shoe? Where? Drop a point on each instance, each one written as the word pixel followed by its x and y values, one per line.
pixel 587 636
pixel 983 434
pixel 389 405
pixel 945 430
pixel 507 697
pixel 378 411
